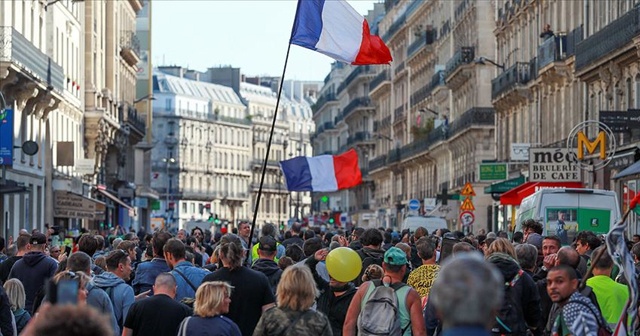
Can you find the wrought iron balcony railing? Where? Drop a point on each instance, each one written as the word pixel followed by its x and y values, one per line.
pixel 15 48
pixel 517 74
pixel 476 116
pixel 378 162
pixel 551 50
pixel 608 39
pixel 379 79
pixel 361 70
pixel 355 104
pixel 463 56
pixel 436 80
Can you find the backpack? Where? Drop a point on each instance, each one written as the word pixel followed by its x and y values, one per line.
pixel 509 319
pixel 380 311
pixel 367 259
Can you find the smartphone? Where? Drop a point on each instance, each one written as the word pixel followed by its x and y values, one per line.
pixel 64 292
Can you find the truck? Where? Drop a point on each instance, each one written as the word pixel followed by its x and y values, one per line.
pixel 565 212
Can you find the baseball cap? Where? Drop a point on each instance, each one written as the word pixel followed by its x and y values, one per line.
pixel 268 243
pixel 38 239
pixel 395 256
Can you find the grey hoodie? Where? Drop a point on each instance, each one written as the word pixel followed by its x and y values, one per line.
pixel 119 292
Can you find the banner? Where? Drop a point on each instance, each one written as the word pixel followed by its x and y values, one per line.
pixel 6 137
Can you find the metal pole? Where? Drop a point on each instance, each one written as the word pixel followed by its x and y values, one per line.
pixel 168 191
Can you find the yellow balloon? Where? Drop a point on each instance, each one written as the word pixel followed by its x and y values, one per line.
pixel 343 264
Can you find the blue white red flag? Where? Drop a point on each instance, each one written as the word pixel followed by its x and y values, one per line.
pixel 322 173
pixel 334 28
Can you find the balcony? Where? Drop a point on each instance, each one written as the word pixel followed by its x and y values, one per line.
pixel 135 121
pixel 195 195
pixel 379 81
pixel 16 49
pixel 394 28
pixel 360 137
pixel 357 103
pixel 436 80
pixel 357 72
pixel 423 145
pixel 385 122
pixel 573 38
pixel 476 116
pixel 430 36
pixel 130 48
pixel 269 187
pixel 232 120
pixel 552 50
pixel 607 40
pixel 393 156
pixel 512 80
pixel 324 99
pixel 377 163
pixel 457 69
pixel 270 163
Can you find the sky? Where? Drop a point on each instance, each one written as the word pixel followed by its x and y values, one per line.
pixel 250 34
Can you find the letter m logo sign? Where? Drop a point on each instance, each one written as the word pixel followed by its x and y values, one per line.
pixel 599 142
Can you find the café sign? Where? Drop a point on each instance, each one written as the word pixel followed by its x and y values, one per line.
pixel 553 164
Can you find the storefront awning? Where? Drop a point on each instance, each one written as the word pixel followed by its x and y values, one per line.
pixel 70 205
pixel 633 169
pixel 504 186
pixel 115 199
pixel 12 187
pixel 144 191
pixel 516 195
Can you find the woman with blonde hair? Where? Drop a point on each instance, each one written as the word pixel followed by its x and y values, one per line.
pixel 15 292
pixel 212 300
pixel 501 245
pixel 296 294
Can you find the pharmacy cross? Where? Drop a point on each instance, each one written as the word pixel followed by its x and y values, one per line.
pixel 444 197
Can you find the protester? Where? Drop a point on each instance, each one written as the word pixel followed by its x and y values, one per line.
pixel 265 263
pixel 96 297
pixel 23 245
pixel 160 314
pixel 188 277
pixel 409 307
pixel 612 296
pixel 293 316
pixel 212 300
pixel 252 293
pixel 422 278
pixel 146 272
pixel 466 294
pixel 82 280
pixel 33 270
pixel 15 293
pixel 335 296
pixel 67 320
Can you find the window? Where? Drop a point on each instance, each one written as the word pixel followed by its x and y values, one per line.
pixel 167 104
pixel 184 208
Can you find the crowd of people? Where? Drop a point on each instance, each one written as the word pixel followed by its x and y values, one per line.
pixel 410 283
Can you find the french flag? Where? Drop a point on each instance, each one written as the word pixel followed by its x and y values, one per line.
pixel 322 173
pixel 334 28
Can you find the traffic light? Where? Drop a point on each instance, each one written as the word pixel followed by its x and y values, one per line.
pixel 324 199
pixel 216 220
pixel 331 220
pixel 210 220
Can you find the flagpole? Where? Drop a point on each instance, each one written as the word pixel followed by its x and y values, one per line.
pixel 266 157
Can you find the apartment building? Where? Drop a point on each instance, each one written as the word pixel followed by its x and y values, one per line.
pixel 41 81
pixel 201 166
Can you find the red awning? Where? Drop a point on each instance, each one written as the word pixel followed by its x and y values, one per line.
pixel 517 194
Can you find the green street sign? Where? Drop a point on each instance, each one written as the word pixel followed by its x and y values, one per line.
pixel 493 171
pixel 155 205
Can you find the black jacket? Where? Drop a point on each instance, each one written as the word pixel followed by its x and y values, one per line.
pixel 524 291
pixel 335 307
pixel 32 270
pixel 269 268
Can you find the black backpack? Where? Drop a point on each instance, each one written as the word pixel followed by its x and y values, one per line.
pixel 510 319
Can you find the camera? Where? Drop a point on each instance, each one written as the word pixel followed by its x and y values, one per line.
pixel 64 292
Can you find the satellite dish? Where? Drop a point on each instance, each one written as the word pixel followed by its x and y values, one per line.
pixel 30 147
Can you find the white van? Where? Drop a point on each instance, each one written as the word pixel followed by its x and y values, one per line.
pixel 564 212
pixel 431 223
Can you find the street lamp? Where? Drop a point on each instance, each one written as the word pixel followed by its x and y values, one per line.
pixel 168 161
pixel 483 60
pixel 147 97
